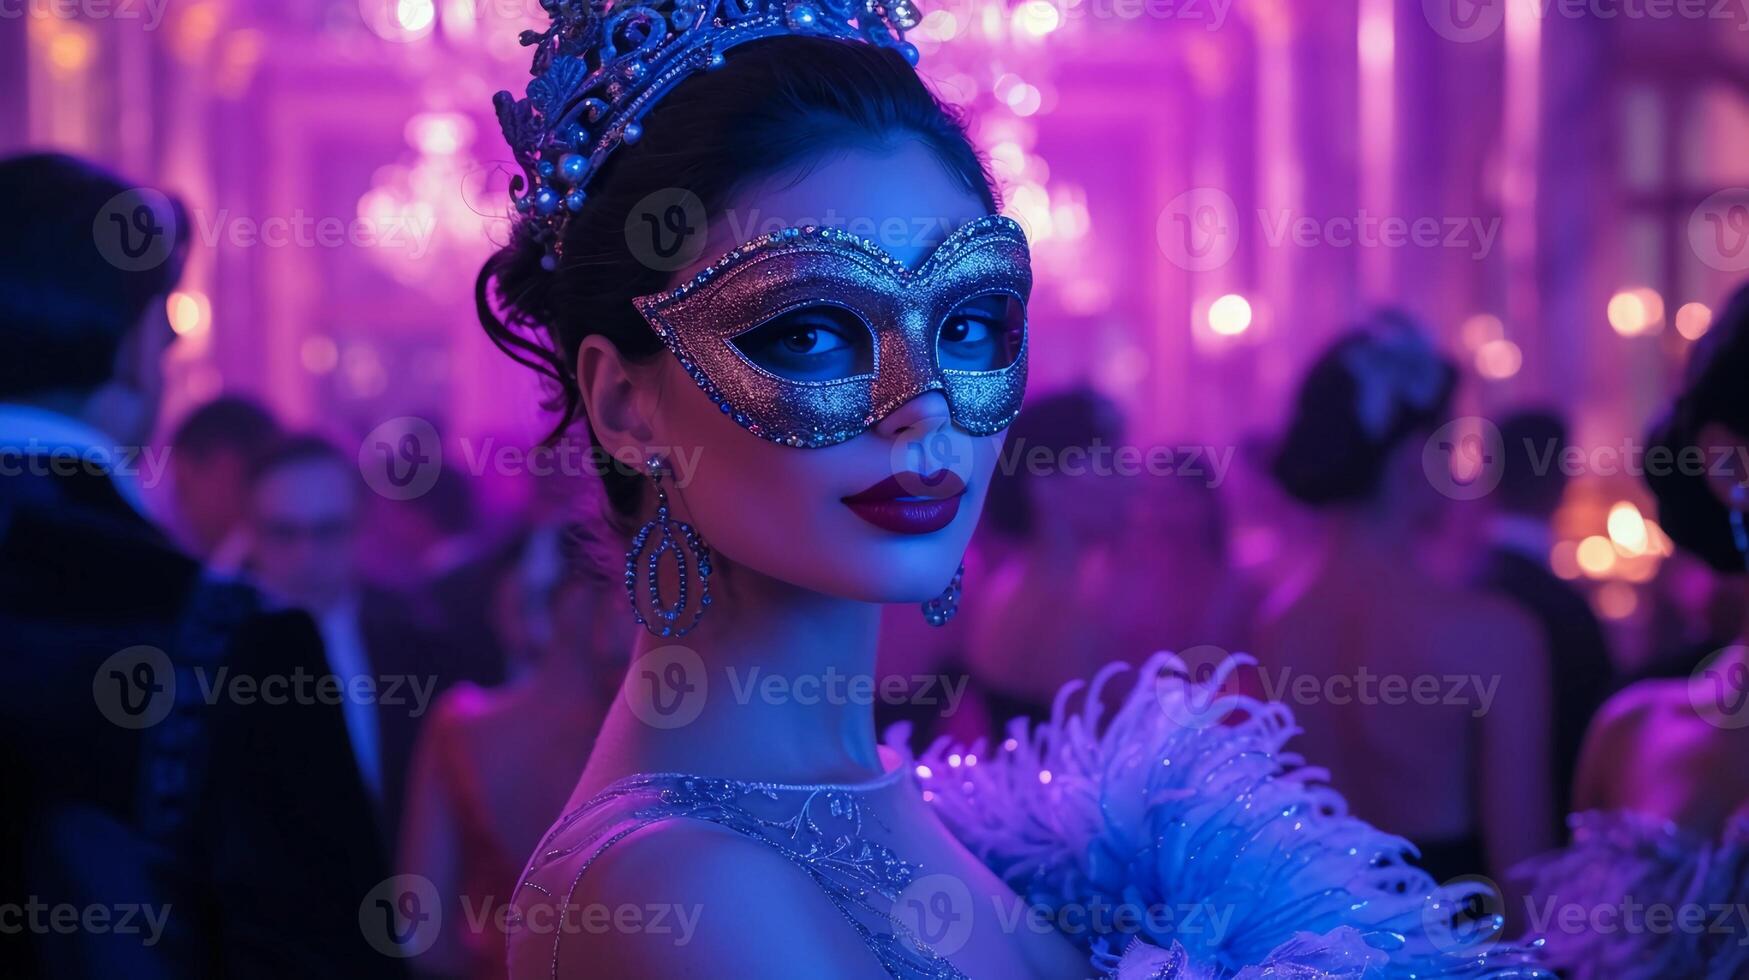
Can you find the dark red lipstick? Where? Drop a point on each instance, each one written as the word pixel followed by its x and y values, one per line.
pixel 910 503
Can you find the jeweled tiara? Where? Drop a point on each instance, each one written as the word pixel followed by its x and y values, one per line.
pixel 603 64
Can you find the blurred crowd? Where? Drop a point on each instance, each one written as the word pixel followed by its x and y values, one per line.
pixel 490 635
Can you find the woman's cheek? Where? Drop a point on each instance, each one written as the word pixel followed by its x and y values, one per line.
pixel 753 501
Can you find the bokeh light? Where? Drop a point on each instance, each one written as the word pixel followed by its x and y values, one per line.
pixel 70 47
pixel 1633 312
pixel 1564 559
pixel 1627 529
pixel 1481 329
pixel 190 312
pixel 1693 319
pixel 1036 18
pixel 1230 315
pixel 1616 600
pixel 319 354
pixel 415 16
pixel 1596 556
pixel 1497 360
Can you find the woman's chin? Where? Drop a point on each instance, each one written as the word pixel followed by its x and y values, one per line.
pixel 877 578
pixel 902 583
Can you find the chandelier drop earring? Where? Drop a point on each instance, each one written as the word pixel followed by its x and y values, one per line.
pixel 942 608
pixel 691 557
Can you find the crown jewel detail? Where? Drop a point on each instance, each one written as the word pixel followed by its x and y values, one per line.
pixel 602 64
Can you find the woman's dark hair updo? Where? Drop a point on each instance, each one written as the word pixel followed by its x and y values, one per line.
pixel 775 104
pixel 1715 391
pixel 1372 388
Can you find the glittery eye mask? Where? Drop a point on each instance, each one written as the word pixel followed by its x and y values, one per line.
pixel 903 310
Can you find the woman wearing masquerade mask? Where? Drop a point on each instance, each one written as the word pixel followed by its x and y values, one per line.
pixel 816 417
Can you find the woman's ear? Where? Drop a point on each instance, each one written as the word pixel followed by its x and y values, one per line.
pixel 616 404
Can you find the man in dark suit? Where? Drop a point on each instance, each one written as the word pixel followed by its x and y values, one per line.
pixel 1517 567
pixel 161 817
pixel 209 465
pixel 305 505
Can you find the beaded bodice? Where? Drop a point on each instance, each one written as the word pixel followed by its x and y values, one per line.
pixel 828 831
pixel 1165 808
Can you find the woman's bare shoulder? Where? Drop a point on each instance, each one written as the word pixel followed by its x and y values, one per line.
pixel 682 898
pixel 1628 711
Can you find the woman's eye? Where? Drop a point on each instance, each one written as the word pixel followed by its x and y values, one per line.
pixel 966 330
pixel 816 343
pixel 982 334
pixel 812 340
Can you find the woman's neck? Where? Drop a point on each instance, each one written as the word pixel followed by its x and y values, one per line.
pixel 776 684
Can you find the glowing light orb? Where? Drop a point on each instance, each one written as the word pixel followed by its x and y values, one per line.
pixel 1627 528
pixel 1596 556
pixel 189 311
pixel 1497 360
pixel 1480 329
pixel 1633 312
pixel 1230 315
pixel 70 48
pixel 320 355
pixel 414 16
pixel 1617 600
pixel 1037 18
pixel 1564 559
pixel 439 133
pixel 1693 319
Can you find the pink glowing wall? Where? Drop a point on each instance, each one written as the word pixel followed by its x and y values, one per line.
pixel 1576 165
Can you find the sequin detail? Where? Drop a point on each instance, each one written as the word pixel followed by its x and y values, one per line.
pixel 818 828
pixel 796 267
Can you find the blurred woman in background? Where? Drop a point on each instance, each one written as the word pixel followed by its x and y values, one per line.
pixel 1662 793
pixel 1427 703
pixel 494 766
pixel 1044 616
pixel 1182 589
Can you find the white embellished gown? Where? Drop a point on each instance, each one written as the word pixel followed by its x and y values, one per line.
pixel 1184 799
